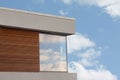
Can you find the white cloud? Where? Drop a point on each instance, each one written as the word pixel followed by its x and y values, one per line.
pixel 113 10
pixel 78 42
pixel 112 7
pixel 87 66
pixel 88 58
pixel 81 43
pixel 63 13
pixel 90 53
pixel 90 74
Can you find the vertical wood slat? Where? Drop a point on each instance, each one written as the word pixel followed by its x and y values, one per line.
pixel 19 50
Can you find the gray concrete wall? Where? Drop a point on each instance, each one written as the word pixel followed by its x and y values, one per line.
pixel 37 76
pixel 35 21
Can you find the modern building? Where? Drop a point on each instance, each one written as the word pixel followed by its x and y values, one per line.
pixel 33 46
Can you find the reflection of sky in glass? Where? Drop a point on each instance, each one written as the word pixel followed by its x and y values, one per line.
pixel 52 53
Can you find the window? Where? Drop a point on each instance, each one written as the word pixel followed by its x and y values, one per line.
pixel 52 52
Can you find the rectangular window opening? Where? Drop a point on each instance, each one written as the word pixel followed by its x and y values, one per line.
pixel 52 52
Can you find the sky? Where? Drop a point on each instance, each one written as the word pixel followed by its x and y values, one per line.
pixel 95 50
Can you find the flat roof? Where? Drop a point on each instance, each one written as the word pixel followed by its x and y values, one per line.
pixel 36 21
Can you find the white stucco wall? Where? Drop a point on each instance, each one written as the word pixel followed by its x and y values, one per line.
pixel 37 76
pixel 36 21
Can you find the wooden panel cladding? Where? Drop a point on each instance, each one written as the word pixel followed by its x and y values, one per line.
pixel 19 50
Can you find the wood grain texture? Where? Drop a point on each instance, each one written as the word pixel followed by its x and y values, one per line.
pixel 19 50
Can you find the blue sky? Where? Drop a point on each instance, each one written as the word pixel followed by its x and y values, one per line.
pixel 97 33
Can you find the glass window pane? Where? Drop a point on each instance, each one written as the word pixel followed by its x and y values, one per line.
pixel 52 53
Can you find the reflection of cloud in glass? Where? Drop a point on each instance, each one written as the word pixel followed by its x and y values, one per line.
pixel 58 66
pixel 44 58
pixel 51 39
pixel 52 61
pixel 52 53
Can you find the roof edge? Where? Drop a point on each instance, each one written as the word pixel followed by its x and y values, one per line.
pixel 36 21
pixel 36 13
